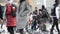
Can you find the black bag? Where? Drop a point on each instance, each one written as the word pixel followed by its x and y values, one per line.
pixel 13 13
pixel 45 14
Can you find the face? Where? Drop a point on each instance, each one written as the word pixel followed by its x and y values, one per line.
pixel 35 8
pixel 27 1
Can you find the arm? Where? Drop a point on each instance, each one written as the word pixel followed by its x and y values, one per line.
pixel 4 13
pixel 30 19
pixel 57 12
pixel 21 8
pixel 26 12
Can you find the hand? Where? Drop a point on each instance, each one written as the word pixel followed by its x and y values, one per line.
pixel 1 20
pixel 51 17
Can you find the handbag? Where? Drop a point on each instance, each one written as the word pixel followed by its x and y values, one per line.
pixel 13 12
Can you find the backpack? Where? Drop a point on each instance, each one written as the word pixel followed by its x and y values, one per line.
pixel 13 12
pixel 45 14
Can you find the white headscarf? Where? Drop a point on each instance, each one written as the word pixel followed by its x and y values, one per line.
pixel 11 1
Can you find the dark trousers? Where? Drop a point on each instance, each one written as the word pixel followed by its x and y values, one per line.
pixel 55 23
pixel 21 31
pixel 10 30
pixel 34 26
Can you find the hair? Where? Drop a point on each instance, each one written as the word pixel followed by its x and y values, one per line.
pixel 30 14
pixel 40 9
pixel 8 0
pixel 35 7
pixel 56 3
pixel 43 7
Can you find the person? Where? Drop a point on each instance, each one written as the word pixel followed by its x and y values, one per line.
pixel 1 13
pixel 30 19
pixel 45 13
pixel 23 10
pixel 1 16
pixel 55 16
pixel 11 21
pixel 34 21
pixel 41 24
pixel 36 11
pixel 43 17
pixel 29 22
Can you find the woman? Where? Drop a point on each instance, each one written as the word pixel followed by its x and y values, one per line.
pixel 11 21
pixel 23 10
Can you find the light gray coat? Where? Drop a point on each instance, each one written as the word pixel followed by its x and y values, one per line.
pixel 22 15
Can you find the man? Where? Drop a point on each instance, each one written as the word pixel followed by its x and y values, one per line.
pixel 34 21
pixel 36 11
pixel 55 15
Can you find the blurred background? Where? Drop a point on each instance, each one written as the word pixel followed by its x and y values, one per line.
pixel 34 3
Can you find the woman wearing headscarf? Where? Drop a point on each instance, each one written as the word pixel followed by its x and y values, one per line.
pixel 23 10
pixel 11 21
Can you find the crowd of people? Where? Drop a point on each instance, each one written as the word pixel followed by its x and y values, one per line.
pixel 38 17
pixel 16 17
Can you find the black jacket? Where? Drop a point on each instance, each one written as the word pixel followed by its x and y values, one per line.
pixel 53 12
pixel 1 12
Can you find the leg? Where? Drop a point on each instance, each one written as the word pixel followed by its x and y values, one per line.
pixel 57 25
pixel 54 23
pixel 21 31
pixel 51 32
pixel 35 26
pixel 10 30
pixel 32 26
pixel 57 28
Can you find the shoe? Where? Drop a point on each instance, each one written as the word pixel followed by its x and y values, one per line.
pixel 58 32
pixel 51 32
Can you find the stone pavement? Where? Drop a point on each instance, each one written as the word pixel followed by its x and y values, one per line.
pixel 33 32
